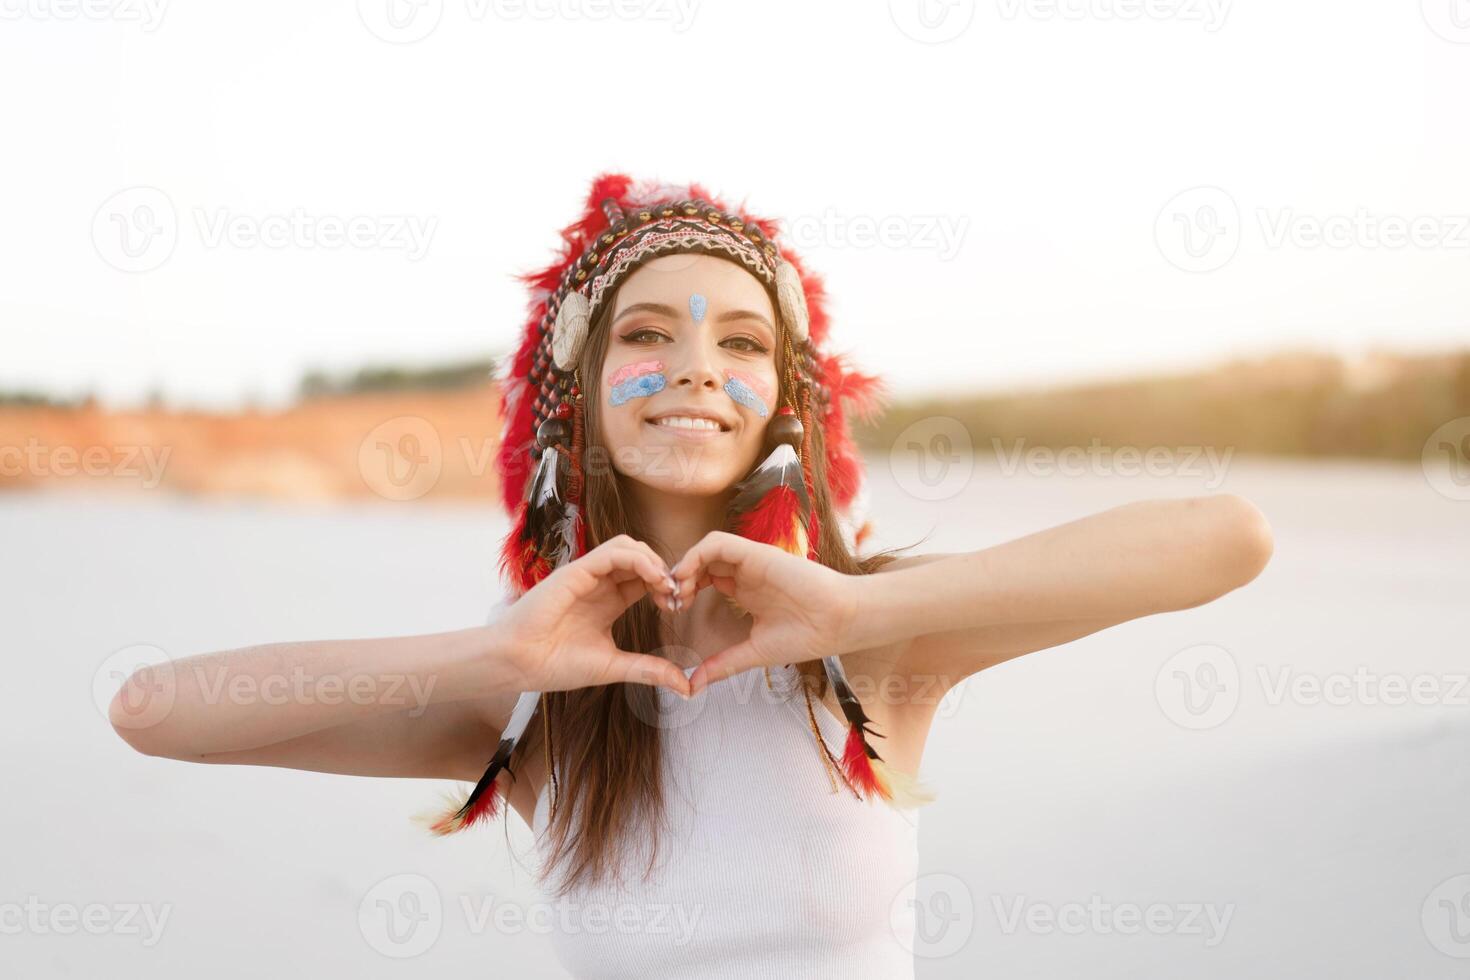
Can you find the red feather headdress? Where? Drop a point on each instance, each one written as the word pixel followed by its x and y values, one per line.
pixel 623 224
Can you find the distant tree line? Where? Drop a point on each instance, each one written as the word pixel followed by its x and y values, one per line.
pixel 463 374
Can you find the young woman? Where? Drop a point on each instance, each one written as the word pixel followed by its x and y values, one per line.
pixel 707 707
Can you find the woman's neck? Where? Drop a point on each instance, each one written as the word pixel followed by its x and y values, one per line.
pixel 676 522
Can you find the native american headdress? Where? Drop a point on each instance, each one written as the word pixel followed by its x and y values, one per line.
pixel 625 223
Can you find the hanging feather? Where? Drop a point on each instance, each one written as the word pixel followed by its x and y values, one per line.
pixel 483 802
pixel 548 534
pixel 861 764
pixel 772 506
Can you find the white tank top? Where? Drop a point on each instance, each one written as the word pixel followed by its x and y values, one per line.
pixel 762 870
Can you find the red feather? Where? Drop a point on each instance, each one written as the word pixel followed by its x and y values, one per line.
pixel 858 767
pixel 776 520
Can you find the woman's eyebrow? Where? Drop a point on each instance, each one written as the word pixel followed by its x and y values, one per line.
pixel 659 308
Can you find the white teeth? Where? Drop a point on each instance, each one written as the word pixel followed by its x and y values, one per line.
pixel 687 422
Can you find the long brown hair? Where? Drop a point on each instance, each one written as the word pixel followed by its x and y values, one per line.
pixel 603 743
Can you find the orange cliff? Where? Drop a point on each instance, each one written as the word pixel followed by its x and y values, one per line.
pixel 407 445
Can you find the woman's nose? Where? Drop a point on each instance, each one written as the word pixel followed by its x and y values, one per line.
pixel 696 368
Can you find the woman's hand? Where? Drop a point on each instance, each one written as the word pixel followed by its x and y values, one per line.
pixel 561 629
pixel 803 610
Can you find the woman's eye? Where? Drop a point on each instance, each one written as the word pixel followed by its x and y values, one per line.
pixel 750 345
pixel 643 336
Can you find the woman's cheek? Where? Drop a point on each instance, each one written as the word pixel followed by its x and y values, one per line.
pixel 749 391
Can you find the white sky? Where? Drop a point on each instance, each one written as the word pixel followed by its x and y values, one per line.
pixel 1045 139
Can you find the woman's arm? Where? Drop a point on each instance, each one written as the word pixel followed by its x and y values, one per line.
pixel 401 706
pixel 429 705
pixel 952 615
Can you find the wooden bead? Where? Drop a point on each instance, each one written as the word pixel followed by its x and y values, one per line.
pixel 785 428
pixel 553 432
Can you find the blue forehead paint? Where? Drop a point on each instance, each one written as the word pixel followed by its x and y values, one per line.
pixel 697 305
pixel 742 393
pixel 637 387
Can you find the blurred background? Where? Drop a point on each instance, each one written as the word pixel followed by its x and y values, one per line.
pixel 258 270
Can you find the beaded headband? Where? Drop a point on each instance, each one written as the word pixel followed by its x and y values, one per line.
pixel 623 225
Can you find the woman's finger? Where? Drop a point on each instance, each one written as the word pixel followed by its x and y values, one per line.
pixel 727 663
pixel 642 668
pixel 626 563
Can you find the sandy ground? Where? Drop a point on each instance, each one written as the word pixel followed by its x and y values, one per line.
pixel 1252 827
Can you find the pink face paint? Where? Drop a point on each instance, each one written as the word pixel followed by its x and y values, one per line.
pixel 637 380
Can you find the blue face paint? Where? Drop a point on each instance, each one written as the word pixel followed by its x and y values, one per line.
pixel 745 395
pixel 697 306
pixel 635 381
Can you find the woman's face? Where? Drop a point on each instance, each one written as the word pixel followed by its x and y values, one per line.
pixel 689 380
